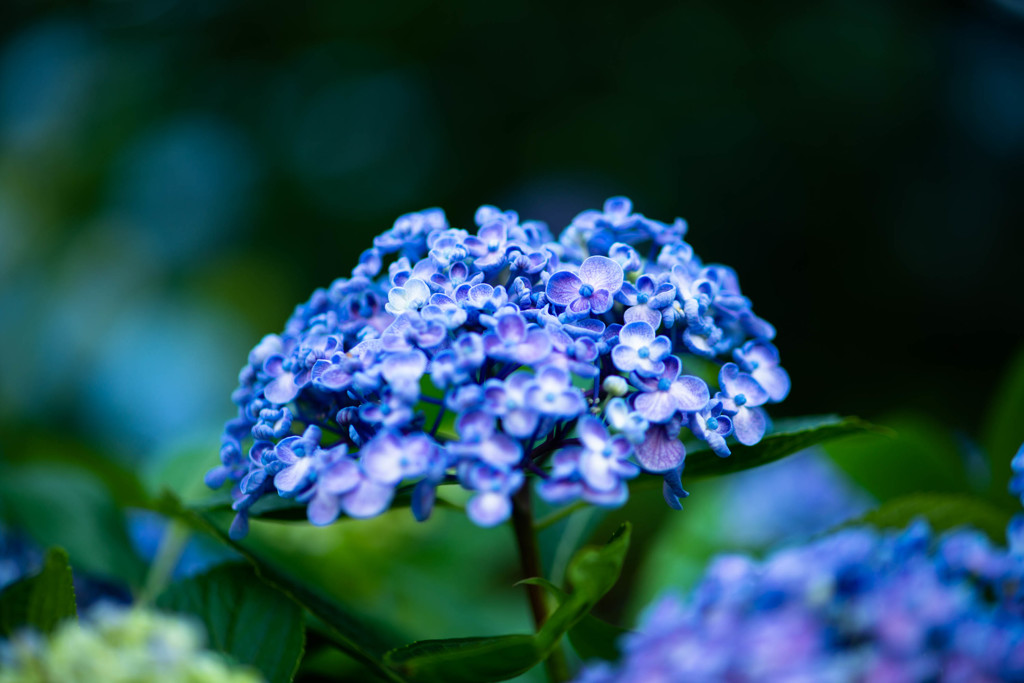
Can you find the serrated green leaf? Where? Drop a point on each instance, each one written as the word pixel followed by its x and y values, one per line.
pixel 1003 433
pixel 69 507
pixel 244 617
pixel 467 660
pixel 349 634
pixel 943 511
pixel 41 601
pixel 786 438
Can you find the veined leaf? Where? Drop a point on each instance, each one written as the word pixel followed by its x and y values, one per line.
pixel 349 634
pixel 244 618
pixel 788 437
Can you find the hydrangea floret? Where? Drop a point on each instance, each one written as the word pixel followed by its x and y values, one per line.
pixel 118 645
pixel 492 358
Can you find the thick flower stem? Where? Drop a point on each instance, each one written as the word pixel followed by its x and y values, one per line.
pixel 529 560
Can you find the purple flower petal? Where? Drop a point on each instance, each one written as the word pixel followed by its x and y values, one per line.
pixel 341 477
pixel 404 366
pixel 423 497
pixel 500 450
pixel 382 457
pixel 489 509
pixel 563 287
pixel 643 314
pixel 592 433
pixel 656 406
pixel 535 348
pixel 559 491
pixel 775 381
pixel 601 272
pixel 749 425
pixel 636 334
pixel 613 498
pixel 369 499
pixel 597 471
pixel 511 328
pixel 324 508
pixel 327 375
pixel 691 393
pixel 660 452
pixel 579 307
pixel 475 425
pixel 625 357
pixel 293 478
pixel 600 301
pixel 282 390
pixel 660 348
pixel 737 383
pixel 520 422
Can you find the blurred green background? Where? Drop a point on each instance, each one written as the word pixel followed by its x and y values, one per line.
pixel 176 175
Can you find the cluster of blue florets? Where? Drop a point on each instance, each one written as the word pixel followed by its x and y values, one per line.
pixel 857 606
pixel 483 359
pixel 860 605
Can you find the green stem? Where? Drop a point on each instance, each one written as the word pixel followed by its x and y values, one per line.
pixel 529 559
pixel 172 545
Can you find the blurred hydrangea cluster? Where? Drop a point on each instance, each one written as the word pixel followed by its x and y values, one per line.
pixel 857 606
pixel 860 605
pixel 486 358
pixel 118 645
pixel 19 557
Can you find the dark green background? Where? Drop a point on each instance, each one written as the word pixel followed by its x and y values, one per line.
pixel 859 163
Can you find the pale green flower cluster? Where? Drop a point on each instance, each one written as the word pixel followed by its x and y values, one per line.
pixel 119 645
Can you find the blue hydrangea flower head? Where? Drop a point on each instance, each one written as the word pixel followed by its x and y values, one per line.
pixel 497 355
pixel 859 605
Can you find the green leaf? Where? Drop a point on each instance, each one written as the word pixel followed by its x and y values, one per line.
pixel 67 506
pixel 273 508
pixel 1003 433
pixel 352 636
pixel 786 438
pixel 594 638
pixel 458 660
pixel 244 618
pixel 920 455
pixel 41 601
pixel 943 511
pixel 593 572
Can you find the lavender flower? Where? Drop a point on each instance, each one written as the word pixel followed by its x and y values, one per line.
pixel 640 351
pixel 542 354
pixel 591 291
